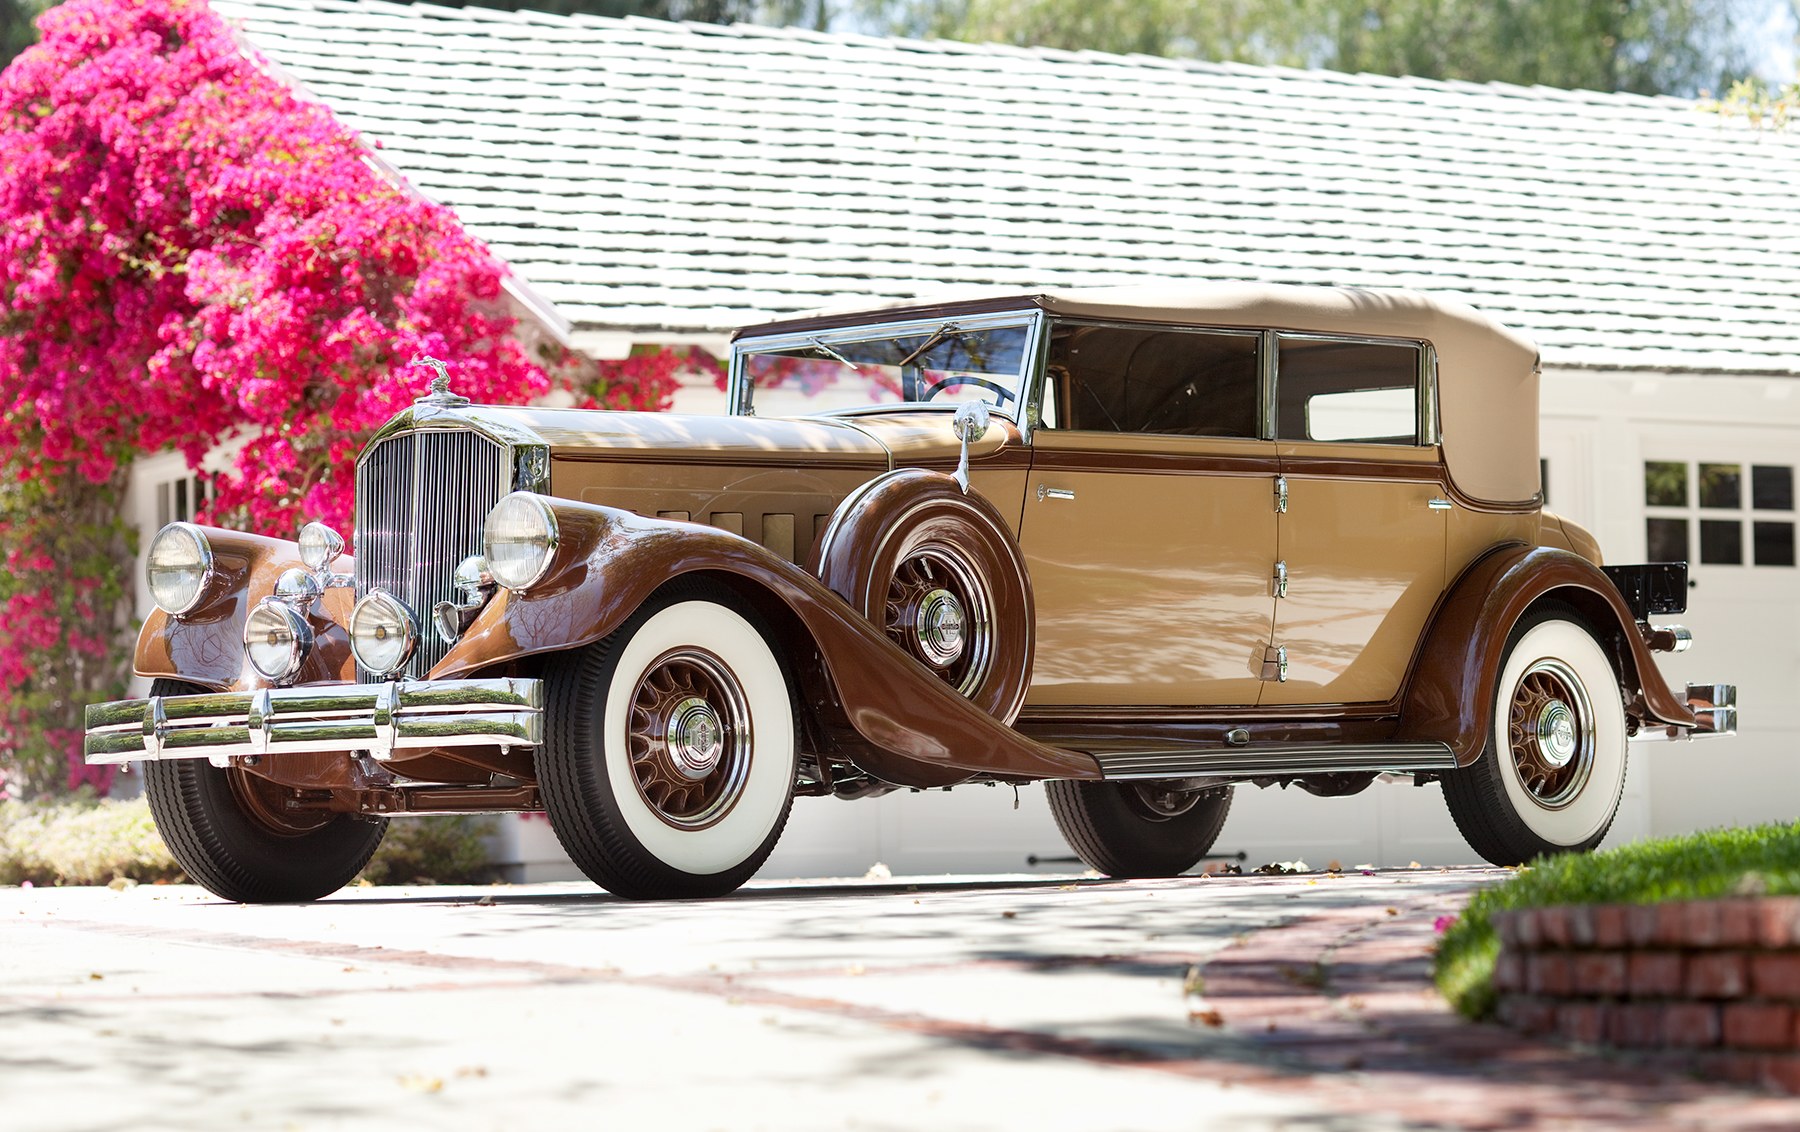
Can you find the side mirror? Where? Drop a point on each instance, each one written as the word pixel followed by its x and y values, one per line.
pixel 968 425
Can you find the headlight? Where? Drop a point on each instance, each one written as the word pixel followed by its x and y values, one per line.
pixel 319 546
pixel 521 539
pixel 382 633
pixel 180 565
pixel 276 639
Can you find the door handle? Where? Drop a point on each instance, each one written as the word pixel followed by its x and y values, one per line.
pixel 1440 504
pixel 1044 493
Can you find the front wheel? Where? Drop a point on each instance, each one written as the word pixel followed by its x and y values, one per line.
pixel 671 750
pixel 231 832
pixel 1553 772
pixel 1138 829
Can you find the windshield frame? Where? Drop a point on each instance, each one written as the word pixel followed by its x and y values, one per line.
pixel 740 394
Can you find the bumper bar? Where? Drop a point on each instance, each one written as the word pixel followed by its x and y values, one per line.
pixel 1715 713
pixel 377 718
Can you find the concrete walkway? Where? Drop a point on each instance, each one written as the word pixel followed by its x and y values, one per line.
pixel 1232 1003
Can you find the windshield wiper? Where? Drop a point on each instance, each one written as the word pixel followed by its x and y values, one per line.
pixel 937 336
pixel 819 344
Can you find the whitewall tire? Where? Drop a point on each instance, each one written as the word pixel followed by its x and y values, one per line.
pixel 1553 773
pixel 671 749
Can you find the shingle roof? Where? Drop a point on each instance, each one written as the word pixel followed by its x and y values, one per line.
pixel 688 177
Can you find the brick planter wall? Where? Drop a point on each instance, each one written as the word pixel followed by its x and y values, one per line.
pixel 1711 984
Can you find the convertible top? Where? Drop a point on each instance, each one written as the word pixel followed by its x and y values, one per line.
pixel 1487 373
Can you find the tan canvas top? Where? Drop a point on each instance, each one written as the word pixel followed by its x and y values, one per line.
pixel 1487 379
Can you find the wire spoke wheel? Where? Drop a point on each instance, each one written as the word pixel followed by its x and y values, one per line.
pixel 1553 772
pixel 940 610
pixel 1551 733
pixel 689 738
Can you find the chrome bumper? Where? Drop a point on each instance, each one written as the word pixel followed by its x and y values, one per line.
pixel 376 718
pixel 1715 713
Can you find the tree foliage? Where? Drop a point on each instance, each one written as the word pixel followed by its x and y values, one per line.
pixel 1646 46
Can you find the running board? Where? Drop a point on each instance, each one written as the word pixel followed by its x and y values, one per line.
pixel 1285 760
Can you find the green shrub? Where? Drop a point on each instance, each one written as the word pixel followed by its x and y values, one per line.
pixel 1698 866
pixel 434 850
pixel 81 840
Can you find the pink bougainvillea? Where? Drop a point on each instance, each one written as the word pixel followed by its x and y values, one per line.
pixel 189 252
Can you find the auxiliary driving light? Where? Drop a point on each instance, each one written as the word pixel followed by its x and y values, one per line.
pixel 382 633
pixel 277 639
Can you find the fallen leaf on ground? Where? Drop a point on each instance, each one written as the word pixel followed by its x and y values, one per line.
pixel 419 1083
pixel 1207 1018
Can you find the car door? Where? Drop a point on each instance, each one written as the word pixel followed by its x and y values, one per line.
pixel 1149 519
pixel 1360 545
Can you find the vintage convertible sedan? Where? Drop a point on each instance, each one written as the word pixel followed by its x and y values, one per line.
pixel 1141 545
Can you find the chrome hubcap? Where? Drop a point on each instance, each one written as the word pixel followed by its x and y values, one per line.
pixel 696 738
pixel 1556 734
pixel 1550 728
pixel 940 626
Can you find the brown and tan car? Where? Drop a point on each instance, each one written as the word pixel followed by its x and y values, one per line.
pixel 1142 545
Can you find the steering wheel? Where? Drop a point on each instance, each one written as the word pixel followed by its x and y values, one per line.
pixel 1001 393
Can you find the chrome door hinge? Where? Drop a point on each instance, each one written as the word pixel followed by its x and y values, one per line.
pixel 1281 495
pixel 1275 664
pixel 1281 579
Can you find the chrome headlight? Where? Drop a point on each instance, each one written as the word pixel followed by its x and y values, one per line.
pixel 277 639
pixel 520 539
pixel 180 565
pixel 382 633
pixel 319 546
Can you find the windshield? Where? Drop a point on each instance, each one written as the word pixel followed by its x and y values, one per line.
pixel 938 362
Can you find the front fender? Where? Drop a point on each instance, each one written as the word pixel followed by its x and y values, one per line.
pixel 1451 696
pixel 205 645
pixel 609 561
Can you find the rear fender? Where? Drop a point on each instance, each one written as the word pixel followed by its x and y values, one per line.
pixel 205 645
pixel 918 731
pixel 1450 698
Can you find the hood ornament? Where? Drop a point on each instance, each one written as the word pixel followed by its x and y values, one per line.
pixel 440 385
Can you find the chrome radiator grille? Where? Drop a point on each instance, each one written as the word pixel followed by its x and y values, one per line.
pixel 421 498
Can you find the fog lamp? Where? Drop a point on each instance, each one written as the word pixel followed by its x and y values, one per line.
pixel 277 639
pixel 383 633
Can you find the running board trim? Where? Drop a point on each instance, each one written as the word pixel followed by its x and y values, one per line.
pixel 1276 760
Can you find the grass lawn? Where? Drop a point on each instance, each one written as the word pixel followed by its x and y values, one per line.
pixel 1723 862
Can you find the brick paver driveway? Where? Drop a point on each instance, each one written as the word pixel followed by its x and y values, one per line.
pixel 1241 1003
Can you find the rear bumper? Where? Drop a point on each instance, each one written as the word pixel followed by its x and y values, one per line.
pixel 1715 713
pixel 374 718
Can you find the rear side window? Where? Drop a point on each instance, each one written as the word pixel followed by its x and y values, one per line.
pixel 1346 391
pixel 1153 380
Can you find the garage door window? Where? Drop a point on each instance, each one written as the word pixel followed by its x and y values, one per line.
pixel 1731 514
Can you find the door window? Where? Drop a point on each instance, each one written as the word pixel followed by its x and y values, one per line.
pixel 1347 392
pixel 1719 513
pixel 1153 380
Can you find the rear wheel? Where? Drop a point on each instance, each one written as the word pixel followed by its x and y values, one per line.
pixel 1553 772
pixel 1138 829
pixel 670 756
pixel 229 830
